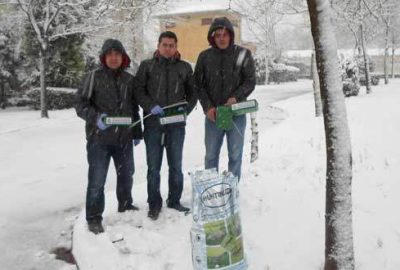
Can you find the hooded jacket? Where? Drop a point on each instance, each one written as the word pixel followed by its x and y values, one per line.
pixel 108 91
pixel 161 81
pixel 222 74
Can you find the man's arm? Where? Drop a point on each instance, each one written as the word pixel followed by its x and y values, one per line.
pixel 137 130
pixel 191 96
pixel 140 91
pixel 199 85
pixel 248 73
pixel 83 106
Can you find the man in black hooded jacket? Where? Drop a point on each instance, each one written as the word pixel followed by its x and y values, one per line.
pixel 108 91
pixel 224 75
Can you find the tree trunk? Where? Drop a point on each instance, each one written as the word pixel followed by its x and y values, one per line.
pixel 339 252
pixel 366 60
pixel 3 99
pixel 393 55
pixel 385 62
pixel 42 67
pixel 266 71
pixel 254 137
pixel 138 36
pixel 317 91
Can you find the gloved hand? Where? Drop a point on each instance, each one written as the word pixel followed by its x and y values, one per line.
pixel 157 110
pixel 100 124
pixel 136 142
pixel 181 109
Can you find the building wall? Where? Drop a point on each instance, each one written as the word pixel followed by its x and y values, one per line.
pixel 192 33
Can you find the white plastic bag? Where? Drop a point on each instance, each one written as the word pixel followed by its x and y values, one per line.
pixel 216 235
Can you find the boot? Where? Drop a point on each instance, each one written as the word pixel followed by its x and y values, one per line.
pixel 178 207
pixel 127 207
pixel 95 227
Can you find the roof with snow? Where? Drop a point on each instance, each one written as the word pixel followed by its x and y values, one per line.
pixel 195 8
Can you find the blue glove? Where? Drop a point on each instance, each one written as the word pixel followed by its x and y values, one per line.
pixel 100 124
pixel 136 142
pixel 157 110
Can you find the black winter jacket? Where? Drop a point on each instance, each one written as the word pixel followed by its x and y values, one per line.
pixel 161 81
pixel 111 93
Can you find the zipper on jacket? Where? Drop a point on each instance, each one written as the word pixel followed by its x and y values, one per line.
pixel 167 80
pixel 222 79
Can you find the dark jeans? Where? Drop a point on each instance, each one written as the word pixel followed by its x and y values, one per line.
pixel 99 157
pixel 156 140
pixel 235 139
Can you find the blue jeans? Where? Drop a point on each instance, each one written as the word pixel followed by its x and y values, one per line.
pixel 235 140
pixel 99 157
pixel 156 139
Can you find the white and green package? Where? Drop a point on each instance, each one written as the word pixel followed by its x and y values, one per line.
pixel 216 234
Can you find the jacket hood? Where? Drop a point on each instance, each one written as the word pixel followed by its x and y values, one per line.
pixel 114 44
pixel 222 22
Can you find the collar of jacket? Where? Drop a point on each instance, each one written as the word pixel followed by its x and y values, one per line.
pixel 113 72
pixel 229 50
pixel 165 60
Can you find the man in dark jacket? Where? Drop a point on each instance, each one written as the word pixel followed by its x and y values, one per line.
pixel 162 81
pixel 224 75
pixel 108 91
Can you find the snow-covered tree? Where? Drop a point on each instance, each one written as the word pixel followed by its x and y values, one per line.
pixel 395 41
pixel 316 87
pixel 387 12
pixel 10 56
pixel 339 252
pixel 360 18
pixel 131 17
pixel 262 17
pixel 51 20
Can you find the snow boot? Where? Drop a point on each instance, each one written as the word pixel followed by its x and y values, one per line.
pixel 154 213
pixel 95 227
pixel 178 207
pixel 127 207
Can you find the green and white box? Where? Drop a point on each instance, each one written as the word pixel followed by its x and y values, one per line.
pixel 118 121
pixel 245 107
pixel 173 119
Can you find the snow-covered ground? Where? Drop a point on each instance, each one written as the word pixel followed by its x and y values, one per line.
pixel 43 177
pixel 282 194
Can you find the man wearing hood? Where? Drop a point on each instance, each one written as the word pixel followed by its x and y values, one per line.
pixel 108 91
pixel 162 81
pixel 224 75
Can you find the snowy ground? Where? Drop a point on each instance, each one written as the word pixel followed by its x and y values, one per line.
pixel 43 177
pixel 282 195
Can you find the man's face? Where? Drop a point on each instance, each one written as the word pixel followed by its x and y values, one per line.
pixel 167 47
pixel 113 59
pixel 222 38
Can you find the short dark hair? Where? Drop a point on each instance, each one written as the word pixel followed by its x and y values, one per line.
pixel 167 34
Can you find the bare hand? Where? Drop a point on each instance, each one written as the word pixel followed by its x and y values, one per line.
pixel 231 100
pixel 212 114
